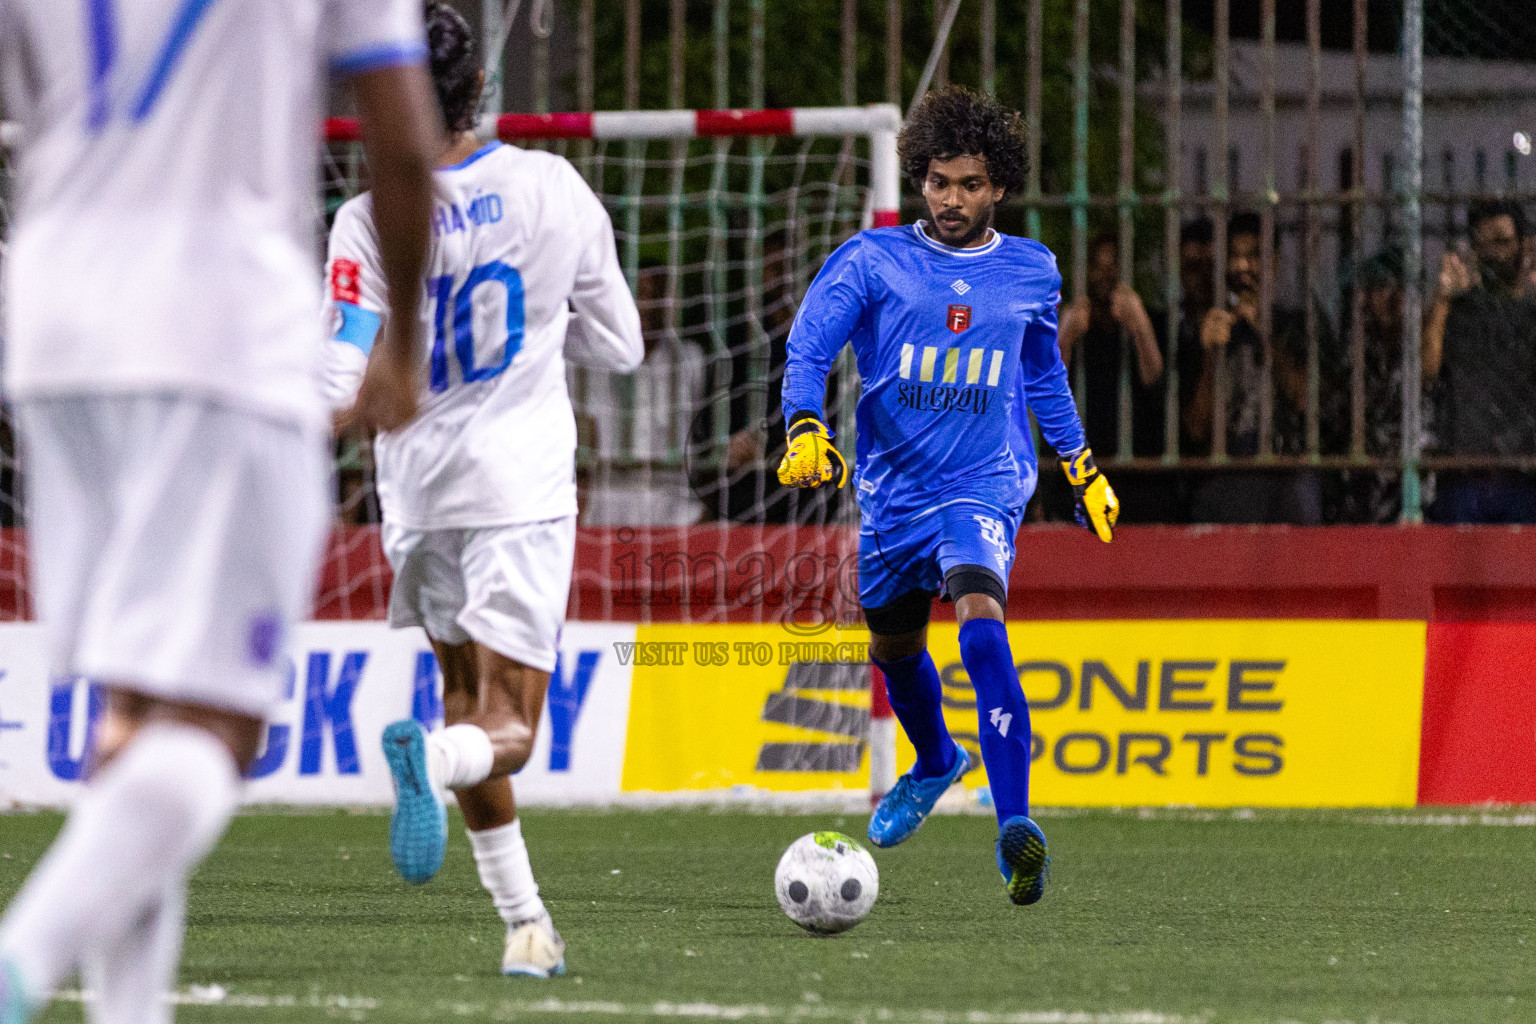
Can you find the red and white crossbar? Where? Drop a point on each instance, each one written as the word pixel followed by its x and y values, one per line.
pixel 879 121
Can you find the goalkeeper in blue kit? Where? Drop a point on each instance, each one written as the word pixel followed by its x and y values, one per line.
pixel 954 328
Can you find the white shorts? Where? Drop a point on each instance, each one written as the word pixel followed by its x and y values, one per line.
pixel 174 541
pixel 504 587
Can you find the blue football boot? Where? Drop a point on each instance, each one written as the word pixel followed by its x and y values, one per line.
pixel 903 809
pixel 14 1008
pixel 418 830
pixel 1022 859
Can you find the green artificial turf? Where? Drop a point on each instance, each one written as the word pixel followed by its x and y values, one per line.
pixel 1228 916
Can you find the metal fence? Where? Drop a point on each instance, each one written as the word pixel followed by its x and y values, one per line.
pixel 1303 168
pixel 1276 310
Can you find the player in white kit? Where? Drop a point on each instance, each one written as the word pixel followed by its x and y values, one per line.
pixel 479 493
pixel 161 348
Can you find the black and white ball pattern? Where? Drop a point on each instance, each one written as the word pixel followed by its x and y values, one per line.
pixel 826 882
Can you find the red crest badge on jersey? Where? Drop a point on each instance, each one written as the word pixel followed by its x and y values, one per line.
pixel 959 318
pixel 344 286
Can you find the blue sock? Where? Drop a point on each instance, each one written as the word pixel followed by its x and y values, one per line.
pixel 1002 713
pixel 918 700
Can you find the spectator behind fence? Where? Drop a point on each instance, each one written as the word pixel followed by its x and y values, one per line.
pixel 637 424
pixel 1480 342
pixel 1106 319
pixel 1251 496
pixel 1107 324
pixel 1376 496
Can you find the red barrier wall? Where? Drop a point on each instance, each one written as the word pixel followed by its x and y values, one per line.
pixel 1431 573
pixel 1479 734
pixel 1424 573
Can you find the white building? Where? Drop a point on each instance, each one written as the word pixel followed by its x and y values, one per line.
pixel 1479 118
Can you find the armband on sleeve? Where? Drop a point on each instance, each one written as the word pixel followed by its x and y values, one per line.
pixel 355 325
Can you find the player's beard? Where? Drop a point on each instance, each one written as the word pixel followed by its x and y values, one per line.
pixel 967 233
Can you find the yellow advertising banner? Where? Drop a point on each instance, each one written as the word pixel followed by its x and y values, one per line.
pixel 717 706
pixel 1252 713
pixel 1249 713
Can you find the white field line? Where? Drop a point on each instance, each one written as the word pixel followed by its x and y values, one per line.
pixel 810 1010
pixel 820 1011
pixel 217 995
pixel 748 800
pixel 1487 818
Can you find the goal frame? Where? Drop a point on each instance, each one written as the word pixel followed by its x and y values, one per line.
pixel 878 122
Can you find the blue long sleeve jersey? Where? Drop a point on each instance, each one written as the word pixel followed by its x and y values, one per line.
pixel 952 344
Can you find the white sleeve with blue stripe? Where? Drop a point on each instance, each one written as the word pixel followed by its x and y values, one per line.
pixel 355 294
pixel 366 35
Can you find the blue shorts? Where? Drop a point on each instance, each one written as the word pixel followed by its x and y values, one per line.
pixel 916 555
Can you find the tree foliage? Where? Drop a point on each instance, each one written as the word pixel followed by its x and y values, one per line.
pixel 803 67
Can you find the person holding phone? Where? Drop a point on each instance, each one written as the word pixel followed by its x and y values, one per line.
pixel 1480 342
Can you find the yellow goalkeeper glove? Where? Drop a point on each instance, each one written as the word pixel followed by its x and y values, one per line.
pixel 1097 506
pixel 810 459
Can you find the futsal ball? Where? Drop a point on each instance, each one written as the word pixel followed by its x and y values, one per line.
pixel 826 882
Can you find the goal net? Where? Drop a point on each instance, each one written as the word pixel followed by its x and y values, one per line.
pixel 721 220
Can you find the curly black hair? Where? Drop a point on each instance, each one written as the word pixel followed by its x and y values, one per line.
pixel 455 65
pixel 957 121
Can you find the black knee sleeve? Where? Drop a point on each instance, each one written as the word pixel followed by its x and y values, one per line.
pixel 974 579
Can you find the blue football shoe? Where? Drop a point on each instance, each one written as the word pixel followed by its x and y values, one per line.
pixel 14 1008
pixel 418 830
pixel 903 809
pixel 1022 859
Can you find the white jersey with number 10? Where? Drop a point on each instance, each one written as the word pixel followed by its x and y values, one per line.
pixel 523 273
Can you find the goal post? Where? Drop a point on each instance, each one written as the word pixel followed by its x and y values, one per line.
pixel 721 219
pixel 879 122
pixel 879 184
pixel 717 244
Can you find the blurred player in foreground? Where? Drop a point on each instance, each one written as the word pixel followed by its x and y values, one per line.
pixel 160 320
pixel 954 329
pixel 479 493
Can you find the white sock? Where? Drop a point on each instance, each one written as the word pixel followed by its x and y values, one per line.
pixel 140 826
pixel 502 857
pixel 459 756
pixel 130 978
